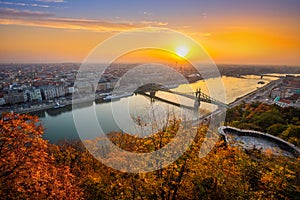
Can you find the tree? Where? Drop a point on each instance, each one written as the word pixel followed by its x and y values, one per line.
pixel 276 129
pixel 291 134
pixel 267 119
pixel 27 170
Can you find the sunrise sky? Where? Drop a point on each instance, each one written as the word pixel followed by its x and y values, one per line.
pixel 232 32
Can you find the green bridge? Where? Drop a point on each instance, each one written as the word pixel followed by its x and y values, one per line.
pixel 150 90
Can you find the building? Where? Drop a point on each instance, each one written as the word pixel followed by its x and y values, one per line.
pixel 60 90
pixel 104 86
pixel 48 92
pixel 14 96
pixel 283 103
pixel 32 94
pixel 2 100
pixel 84 87
pixel 276 92
pixel 71 90
pixel 51 91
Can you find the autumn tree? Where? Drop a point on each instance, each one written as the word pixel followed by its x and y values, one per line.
pixel 281 122
pixel 291 134
pixel 225 173
pixel 27 170
pixel 276 129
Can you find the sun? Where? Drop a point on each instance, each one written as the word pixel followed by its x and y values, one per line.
pixel 182 51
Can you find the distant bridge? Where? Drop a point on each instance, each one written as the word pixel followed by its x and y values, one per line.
pixel 270 75
pixel 197 96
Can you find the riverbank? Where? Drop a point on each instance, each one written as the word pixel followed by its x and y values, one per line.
pixel 247 98
pixel 100 96
pixel 44 106
pixel 262 91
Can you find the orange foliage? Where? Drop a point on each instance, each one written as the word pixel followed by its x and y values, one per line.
pixel 33 169
pixel 27 170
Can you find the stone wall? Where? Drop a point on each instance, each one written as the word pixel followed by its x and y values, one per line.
pixel 224 130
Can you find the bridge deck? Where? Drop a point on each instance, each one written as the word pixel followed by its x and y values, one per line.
pixel 196 96
pixel 202 97
pixel 167 101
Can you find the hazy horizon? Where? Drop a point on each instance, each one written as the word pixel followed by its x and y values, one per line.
pixel 218 64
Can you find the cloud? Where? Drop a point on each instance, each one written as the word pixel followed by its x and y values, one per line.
pixel 24 4
pixel 147 13
pixel 206 34
pixel 51 1
pixel 40 19
pixel 198 34
pixel 14 13
pixel 204 15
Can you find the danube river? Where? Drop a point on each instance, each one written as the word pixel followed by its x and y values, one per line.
pixel 59 123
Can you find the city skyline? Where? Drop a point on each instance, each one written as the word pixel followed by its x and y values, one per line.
pixel 256 32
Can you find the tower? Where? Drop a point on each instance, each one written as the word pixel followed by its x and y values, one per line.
pixel 197 99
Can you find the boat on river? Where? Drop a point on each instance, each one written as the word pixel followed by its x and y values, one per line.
pixel 58 105
pixel 115 97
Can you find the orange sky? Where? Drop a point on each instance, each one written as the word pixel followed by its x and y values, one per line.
pixel 37 36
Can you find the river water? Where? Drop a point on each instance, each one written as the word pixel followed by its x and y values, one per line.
pixel 59 123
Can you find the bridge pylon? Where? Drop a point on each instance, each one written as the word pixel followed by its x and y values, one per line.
pixel 197 99
pixel 152 95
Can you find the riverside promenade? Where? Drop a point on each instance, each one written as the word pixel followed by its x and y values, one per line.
pixel 263 91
